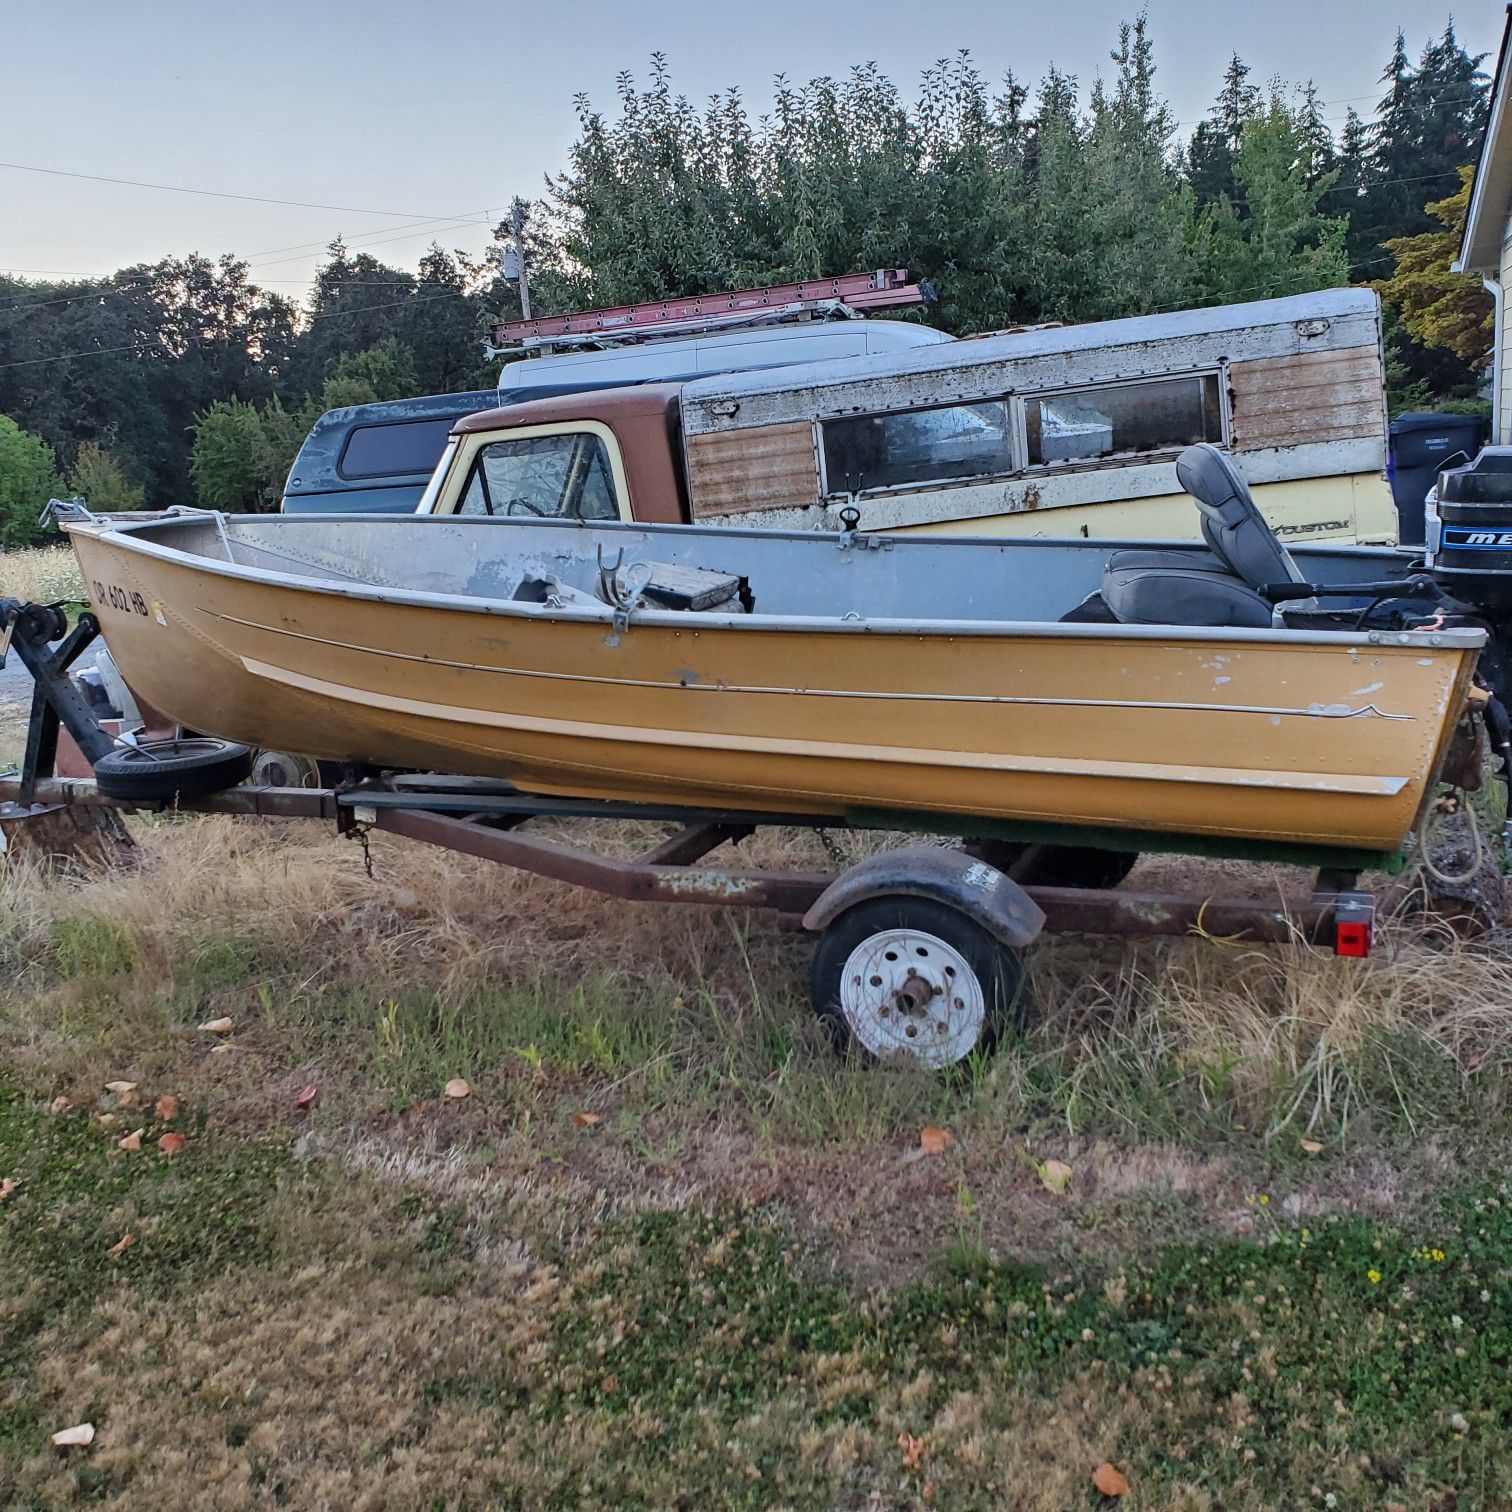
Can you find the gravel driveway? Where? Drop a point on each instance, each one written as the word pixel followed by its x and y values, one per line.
pixel 15 682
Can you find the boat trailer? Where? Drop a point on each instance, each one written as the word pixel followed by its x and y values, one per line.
pixel 918 946
pixel 484 818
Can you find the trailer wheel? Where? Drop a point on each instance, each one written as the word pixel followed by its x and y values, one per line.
pixel 185 767
pixel 907 978
pixel 1056 865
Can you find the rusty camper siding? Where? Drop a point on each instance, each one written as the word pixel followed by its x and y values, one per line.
pixel 1303 399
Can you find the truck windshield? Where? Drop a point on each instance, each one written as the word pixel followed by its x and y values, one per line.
pixel 562 475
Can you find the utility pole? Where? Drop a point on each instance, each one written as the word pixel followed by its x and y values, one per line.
pixel 517 225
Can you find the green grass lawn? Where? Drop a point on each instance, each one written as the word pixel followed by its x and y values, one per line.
pixel 670 1252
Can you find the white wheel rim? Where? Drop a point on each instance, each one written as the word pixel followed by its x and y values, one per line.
pixel 906 993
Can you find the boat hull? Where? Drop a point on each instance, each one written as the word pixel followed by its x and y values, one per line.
pixel 1324 741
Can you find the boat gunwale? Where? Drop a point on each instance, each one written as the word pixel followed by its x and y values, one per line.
pixel 128 535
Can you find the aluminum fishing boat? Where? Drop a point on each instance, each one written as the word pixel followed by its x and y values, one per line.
pixel 1038 683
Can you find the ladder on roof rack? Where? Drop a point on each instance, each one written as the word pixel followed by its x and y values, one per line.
pixel 816 298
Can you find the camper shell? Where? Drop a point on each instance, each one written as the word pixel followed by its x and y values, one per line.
pixel 1064 431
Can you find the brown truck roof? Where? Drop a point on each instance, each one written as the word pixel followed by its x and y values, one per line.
pixel 607 405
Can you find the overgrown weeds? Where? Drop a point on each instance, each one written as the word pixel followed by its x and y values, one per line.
pixel 42 575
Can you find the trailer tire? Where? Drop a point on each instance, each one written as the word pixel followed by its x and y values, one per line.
pixel 872 961
pixel 186 767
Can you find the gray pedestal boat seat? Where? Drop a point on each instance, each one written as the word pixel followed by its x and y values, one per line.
pixel 1219 587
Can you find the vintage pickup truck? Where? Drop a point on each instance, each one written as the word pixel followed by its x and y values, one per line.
pixel 1047 432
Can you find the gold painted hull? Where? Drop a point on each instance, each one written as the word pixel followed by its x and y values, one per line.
pixel 1315 740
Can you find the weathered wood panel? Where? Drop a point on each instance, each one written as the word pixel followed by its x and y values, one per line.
pixel 1310 397
pixel 767 467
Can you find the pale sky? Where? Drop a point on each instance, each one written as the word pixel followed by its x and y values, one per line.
pixel 443 112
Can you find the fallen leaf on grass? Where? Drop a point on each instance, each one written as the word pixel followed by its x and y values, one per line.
pixel 218 1026
pixel 587 1120
pixel 60 1104
pixel 131 1141
pixel 121 1245
pixel 456 1087
pixel 166 1108
pixel 307 1095
pixel 120 1088
pixel 1110 1481
pixel 935 1141
pixel 1312 1146
pixel 1055 1175
pixel 171 1144
pixel 8 1184
pixel 913 1450
pixel 79 1435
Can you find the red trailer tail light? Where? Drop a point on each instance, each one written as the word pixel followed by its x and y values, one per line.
pixel 1354 924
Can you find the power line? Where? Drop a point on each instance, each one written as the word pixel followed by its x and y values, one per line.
pixel 68 356
pixel 463 217
pixel 372 241
pixel 255 199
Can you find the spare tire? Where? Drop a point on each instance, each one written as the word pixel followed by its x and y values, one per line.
pixel 186 767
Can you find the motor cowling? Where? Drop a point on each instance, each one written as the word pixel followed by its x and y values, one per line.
pixel 1468 538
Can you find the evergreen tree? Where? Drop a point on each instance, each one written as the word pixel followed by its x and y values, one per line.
pixel 1284 242
pixel 1210 153
pixel 1428 124
pixel 101 481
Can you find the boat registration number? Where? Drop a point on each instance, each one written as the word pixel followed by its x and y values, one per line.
pixel 124 599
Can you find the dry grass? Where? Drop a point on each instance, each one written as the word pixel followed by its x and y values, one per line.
pixel 689 1032
pixel 41 574
pixel 395 1314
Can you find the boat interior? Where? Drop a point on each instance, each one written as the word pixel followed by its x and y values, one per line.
pixel 1240 579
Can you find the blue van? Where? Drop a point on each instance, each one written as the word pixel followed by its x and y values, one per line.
pixel 377 458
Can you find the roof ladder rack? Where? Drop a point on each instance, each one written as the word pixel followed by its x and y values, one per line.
pixel 816 298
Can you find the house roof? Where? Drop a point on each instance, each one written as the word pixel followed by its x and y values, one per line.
pixel 1491 198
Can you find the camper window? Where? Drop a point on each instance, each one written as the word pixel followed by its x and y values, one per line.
pixel 940 445
pixel 563 475
pixel 1163 414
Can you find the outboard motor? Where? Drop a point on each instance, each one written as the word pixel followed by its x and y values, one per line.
pixel 1468 538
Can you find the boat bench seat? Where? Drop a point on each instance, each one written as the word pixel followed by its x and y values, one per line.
pixel 1218 588
pixel 1179 588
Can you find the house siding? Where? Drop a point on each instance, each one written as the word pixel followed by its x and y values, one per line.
pixel 1501 420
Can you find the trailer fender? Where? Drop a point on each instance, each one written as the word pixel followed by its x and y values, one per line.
pixel 951 877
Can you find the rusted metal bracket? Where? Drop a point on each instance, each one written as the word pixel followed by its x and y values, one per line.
pixel 694 843
pixel 31 630
pixel 635 880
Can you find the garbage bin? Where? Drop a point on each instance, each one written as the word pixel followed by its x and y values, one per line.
pixel 1421 444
